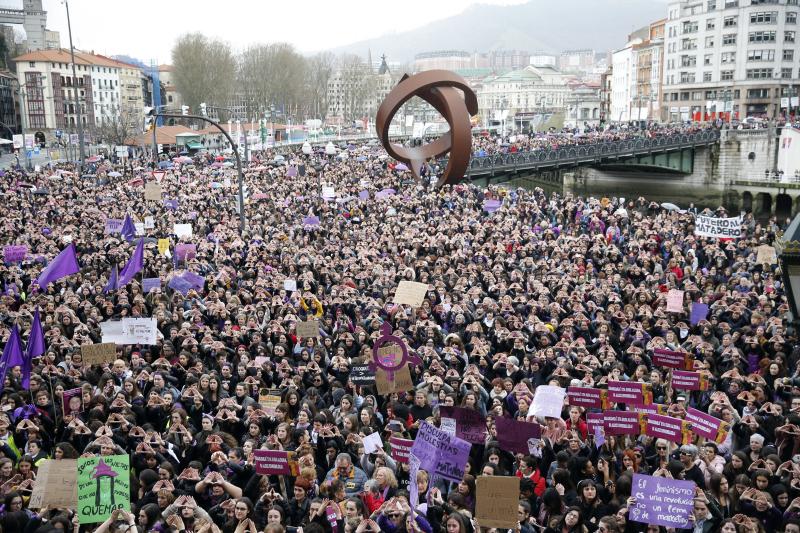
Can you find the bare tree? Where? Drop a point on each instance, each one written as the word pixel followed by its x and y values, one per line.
pixel 205 70
pixel 318 74
pixel 271 75
pixel 355 86
pixel 119 125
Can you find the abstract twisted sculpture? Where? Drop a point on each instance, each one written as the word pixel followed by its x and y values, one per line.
pixel 440 88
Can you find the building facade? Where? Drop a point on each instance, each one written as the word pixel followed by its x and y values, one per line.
pixel 442 59
pixel 172 98
pixel 576 61
pixel 9 117
pixel 730 59
pixel 637 74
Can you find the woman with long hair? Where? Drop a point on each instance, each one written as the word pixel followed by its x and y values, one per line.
pixel 570 522
pixel 719 493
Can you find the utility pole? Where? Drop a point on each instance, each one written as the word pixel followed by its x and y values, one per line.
pixel 81 145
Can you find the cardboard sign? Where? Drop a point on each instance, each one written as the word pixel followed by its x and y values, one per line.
pixel 400 448
pixel 152 191
pixel 707 426
pixel 56 485
pixel 275 463
pixel 672 359
pixel 410 293
pixel 516 436
pixel 548 401
pixel 182 230
pixel 622 423
pixel 14 253
pixel 97 354
pixel 362 375
pixel 497 501
pixel 629 392
pixel 722 228
pixel 440 454
pixel 470 425
pixel 687 380
pixel 308 329
pixel 103 486
pixel 587 397
pixel 667 427
pixel 661 501
pixel 163 246
pixel 766 255
pixel 675 301
pixel 401 382
pixel 699 312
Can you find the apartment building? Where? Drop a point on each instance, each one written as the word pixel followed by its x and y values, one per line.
pixel 731 59
pixel 636 75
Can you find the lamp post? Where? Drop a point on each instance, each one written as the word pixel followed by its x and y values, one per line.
pixel 81 145
pixel 242 220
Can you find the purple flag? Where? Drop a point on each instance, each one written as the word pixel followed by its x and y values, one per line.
pixel 12 355
pixel 128 229
pixel 183 283
pixel 35 348
pixel 113 281
pixel 699 312
pixel 311 221
pixel 171 204
pixel 363 195
pixel 65 264
pixel 490 205
pixel 134 265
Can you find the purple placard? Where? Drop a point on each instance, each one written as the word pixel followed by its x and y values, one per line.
pixel 652 409
pixel 272 462
pixel 621 423
pixel 311 221
pixel 400 448
pixel 595 420
pixel 15 253
pixel 661 501
pixel 669 358
pixel 442 454
pixel 686 380
pixel 470 425
pixel 664 427
pixel 585 397
pixel 171 204
pixel 629 392
pixel 184 252
pixel 515 436
pixel 699 312
pixel 113 225
pixel 491 205
pixel 149 284
pixel 363 195
pixel 704 425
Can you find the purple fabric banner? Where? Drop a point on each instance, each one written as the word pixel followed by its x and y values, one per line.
pixel 14 253
pixel 470 425
pixel 441 454
pixel 515 436
pixel 661 501
pixel 699 312
pixel 311 221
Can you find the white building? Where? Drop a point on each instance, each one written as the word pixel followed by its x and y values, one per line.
pixel 730 58
pixel 636 79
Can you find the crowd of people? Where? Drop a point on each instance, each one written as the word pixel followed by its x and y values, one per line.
pixel 556 290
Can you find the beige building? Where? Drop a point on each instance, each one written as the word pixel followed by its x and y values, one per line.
pixel 171 96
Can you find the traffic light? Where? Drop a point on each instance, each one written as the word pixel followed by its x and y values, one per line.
pixel 203 109
pixel 149 119
pixel 184 110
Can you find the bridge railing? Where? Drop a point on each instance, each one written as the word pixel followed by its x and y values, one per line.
pixel 586 153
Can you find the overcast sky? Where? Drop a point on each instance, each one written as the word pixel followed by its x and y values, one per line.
pixel 147 29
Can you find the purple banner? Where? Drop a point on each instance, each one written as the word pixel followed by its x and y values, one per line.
pixel 706 426
pixel 661 501
pixel 113 225
pixel 490 205
pixel 622 423
pixel 363 195
pixel 686 380
pixel 628 392
pixel 672 359
pixel 699 312
pixel 664 427
pixel 149 284
pixel 442 454
pixel 515 436
pixel 184 252
pixel 275 463
pixel 585 397
pixel 470 425
pixel 311 221
pixel 15 253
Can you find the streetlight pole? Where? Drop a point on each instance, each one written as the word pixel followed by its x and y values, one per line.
pixel 81 145
pixel 242 220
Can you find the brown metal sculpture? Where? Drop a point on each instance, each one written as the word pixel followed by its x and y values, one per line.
pixel 440 88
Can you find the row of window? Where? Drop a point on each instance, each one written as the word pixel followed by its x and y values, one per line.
pixel 729 39
pixel 724 95
pixel 730 57
pixel 732 21
pixel 728 75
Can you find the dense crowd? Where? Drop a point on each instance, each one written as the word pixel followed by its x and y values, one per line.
pixel 544 290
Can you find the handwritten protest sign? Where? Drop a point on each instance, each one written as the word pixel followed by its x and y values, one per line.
pixel 470 425
pixel 765 254
pixel 666 427
pixel 372 443
pixel 699 312
pixel 661 501
pixel 113 225
pixel 675 301
pixel 149 223
pixel 362 375
pixel 548 400
pixel 439 453
pixel 724 228
pixel 97 354
pixel 400 448
pixel 672 359
pixel 275 463
pixel 410 293
pixel 56 485
pixel 496 501
pixel 182 230
pixel 269 401
pixel 517 437
pixel 308 329
pixel 587 397
pixel 103 486
pixel 706 426
pixel 290 285
pixel 629 392
pixel 152 191
pixel 401 382
pixel 130 331
pixel 14 253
